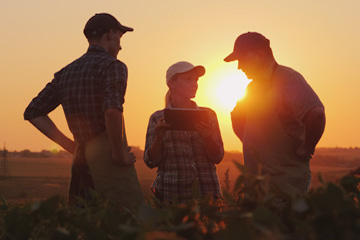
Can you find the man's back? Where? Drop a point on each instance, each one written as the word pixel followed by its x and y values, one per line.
pixel 84 88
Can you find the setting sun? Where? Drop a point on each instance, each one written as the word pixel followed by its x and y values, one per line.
pixel 225 85
pixel 231 89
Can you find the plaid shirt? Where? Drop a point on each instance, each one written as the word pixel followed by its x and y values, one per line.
pixel 183 160
pixel 85 89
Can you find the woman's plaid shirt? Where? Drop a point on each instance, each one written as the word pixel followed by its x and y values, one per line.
pixel 183 160
pixel 85 89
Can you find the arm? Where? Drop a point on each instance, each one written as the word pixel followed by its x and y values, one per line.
pixel 47 127
pixel 37 114
pixel 238 120
pixel 154 140
pixel 114 93
pixel 314 128
pixel 211 136
pixel 306 107
pixel 154 151
pixel 114 129
pixel 212 147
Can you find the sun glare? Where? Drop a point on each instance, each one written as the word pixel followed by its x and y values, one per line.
pixel 230 89
pixel 222 86
pixel 225 86
pixel 54 148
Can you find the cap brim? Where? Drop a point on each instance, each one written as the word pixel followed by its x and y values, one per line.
pixel 231 57
pixel 125 29
pixel 199 70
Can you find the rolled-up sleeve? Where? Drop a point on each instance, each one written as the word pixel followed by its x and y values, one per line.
pixel 150 138
pixel 46 101
pixel 299 96
pixel 217 137
pixel 115 86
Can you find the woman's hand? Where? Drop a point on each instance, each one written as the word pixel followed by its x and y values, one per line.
pixel 154 152
pixel 161 127
pixel 206 133
pixel 204 130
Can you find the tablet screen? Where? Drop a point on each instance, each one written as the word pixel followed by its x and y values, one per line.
pixel 185 119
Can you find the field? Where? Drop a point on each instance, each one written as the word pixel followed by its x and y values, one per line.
pixel 40 178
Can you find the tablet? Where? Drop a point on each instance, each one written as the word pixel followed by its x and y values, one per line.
pixel 185 118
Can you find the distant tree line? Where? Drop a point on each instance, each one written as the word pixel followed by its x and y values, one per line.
pixel 338 149
pixel 41 154
pixel 335 161
pixel 4 153
pixel 321 155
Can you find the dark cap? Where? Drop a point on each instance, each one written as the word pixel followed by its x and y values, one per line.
pixel 247 42
pixel 101 23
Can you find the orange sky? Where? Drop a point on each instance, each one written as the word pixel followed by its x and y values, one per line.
pixel 319 39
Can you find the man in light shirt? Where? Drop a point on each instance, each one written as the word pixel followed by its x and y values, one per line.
pixel 280 120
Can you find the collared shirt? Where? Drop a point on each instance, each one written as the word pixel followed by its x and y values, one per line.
pixel 294 98
pixel 184 160
pixel 274 128
pixel 85 89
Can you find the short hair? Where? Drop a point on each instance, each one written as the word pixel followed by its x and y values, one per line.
pixel 96 38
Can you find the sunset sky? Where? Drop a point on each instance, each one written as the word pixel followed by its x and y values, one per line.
pixel 320 39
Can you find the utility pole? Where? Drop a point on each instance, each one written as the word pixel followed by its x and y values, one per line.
pixel 4 164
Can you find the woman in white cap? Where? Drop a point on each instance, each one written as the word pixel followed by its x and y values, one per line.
pixel 185 159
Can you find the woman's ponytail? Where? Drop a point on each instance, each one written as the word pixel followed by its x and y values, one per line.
pixel 168 98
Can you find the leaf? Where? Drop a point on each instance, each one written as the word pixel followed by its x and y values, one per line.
pixel 229 199
pixel 350 183
pixel 3 199
pixel 240 166
pixel 195 190
pixel 321 178
pixel 300 205
pixel 18 224
pixel 264 216
pixel 3 206
pixel 148 215
pixel 237 230
pixel 227 180
pixel 239 182
pixel 49 207
pixel 158 235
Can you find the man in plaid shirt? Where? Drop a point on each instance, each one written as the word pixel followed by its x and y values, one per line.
pixel 91 91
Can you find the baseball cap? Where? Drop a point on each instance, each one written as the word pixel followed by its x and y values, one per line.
pixel 247 42
pixel 182 67
pixel 101 23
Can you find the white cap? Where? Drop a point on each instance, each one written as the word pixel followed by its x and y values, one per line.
pixel 182 67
